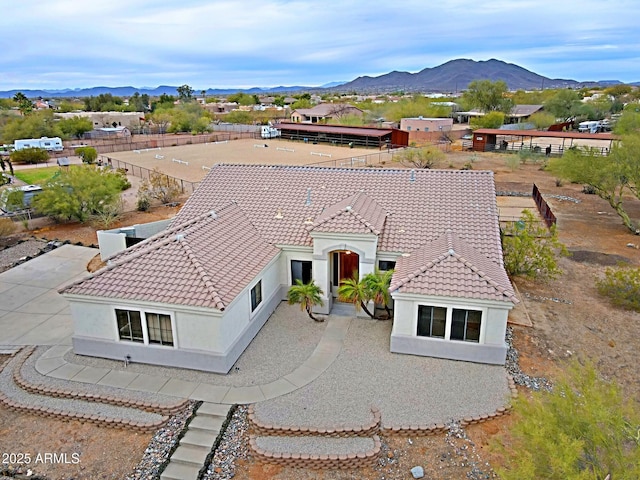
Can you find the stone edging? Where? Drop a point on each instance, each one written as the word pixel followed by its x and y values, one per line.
pixel 98 420
pixel 90 397
pixel 317 462
pixel 267 430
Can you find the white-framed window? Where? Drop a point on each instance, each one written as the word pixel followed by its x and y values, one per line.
pixel 159 328
pixel 465 325
pixel 432 321
pixel 449 323
pixel 129 325
pixel 256 295
pixel 149 328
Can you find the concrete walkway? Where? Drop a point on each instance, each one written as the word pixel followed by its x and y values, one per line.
pixel 31 311
pixel 53 364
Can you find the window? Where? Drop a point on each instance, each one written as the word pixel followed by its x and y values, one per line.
pixel 432 321
pixel 256 295
pixel 465 325
pixel 129 325
pixel 159 328
pixel 386 265
pixel 300 270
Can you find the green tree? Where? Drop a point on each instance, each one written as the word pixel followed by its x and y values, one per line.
pixel 242 98
pixel 24 104
pixel 87 154
pixel 564 104
pixel 36 125
pixel 628 123
pixel 357 292
pixel 164 102
pixel 75 127
pixel 307 295
pixel 185 93
pixel 530 249
pixel 584 429
pixel 378 284
pixel 488 96
pixel 607 176
pixel 542 120
pixel 238 116
pixel 29 155
pixel 489 120
pixel 425 157
pixel 139 103
pixel 79 192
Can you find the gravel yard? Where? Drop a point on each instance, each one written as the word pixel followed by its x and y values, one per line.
pixel 407 389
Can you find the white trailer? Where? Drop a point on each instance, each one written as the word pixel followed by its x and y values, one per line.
pixel 593 126
pixel 53 144
pixel 267 131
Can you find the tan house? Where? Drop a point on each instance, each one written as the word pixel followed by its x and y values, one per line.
pixel 196 294
pixel 324 112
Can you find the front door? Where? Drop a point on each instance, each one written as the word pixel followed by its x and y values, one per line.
pixel 345 265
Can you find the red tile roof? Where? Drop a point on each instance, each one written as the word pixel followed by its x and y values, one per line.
pixel 357 214
pixel 261 207
pixel 449 266
pixel 205 262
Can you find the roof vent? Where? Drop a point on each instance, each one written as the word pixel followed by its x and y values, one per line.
pixel 412 178
pixel 451 252
pixel 308 202
pixel 279 214
pixel 179 237
pixel 348 208
pixel 213 214
pixel 308 221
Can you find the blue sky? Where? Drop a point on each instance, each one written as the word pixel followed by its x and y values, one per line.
pixel 56 44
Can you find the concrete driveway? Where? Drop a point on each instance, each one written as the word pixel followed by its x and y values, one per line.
pixel 31 310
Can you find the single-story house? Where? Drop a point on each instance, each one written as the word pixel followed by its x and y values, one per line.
pixel 518 114
pixel 324 112
pixel 195 294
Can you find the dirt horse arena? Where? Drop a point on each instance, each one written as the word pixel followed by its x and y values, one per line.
pixel 192 162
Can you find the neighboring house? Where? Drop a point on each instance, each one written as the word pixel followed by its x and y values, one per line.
pixel 518 114
pixel 107 119
pixel 196 294
pixel 324 112
pixel 424 124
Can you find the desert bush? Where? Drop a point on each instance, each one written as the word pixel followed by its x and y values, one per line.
pixel 622 287
pixel 7 227
pixel 87 154
pixel 530 249
pixel 426 157
pixel 160 187
pixel 585 428
pixel 513 162
pixel 29 155
pixel 143 203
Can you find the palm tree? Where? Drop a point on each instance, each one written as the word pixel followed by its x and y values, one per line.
pixel 307 295
pixel 378 285
pixel 355 291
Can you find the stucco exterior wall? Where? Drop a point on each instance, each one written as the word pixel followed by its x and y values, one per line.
pixel 491 347
pixel 204 339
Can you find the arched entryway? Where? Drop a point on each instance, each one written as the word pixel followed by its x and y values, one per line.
pixel 344 264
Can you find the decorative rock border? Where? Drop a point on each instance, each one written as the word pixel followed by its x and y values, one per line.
pixel 91 397
pixel 318 462
pixel 262 429
pixel 98 420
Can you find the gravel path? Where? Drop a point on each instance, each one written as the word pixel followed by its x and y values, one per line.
pixel 28 248
pixel 407 389
pixel 286 341
pixel 30 374
pixel 72 406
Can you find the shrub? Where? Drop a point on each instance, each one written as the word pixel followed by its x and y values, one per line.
pixel 7 227
pixel 30 155
pixel 530 249
pixel 122 177
pixel 143 204
pixel 513 162
pixel 87 154
pixel 622 287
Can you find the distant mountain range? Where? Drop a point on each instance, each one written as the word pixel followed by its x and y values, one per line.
pixel 450 77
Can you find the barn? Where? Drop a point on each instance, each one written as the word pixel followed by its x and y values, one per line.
pixel 368 137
